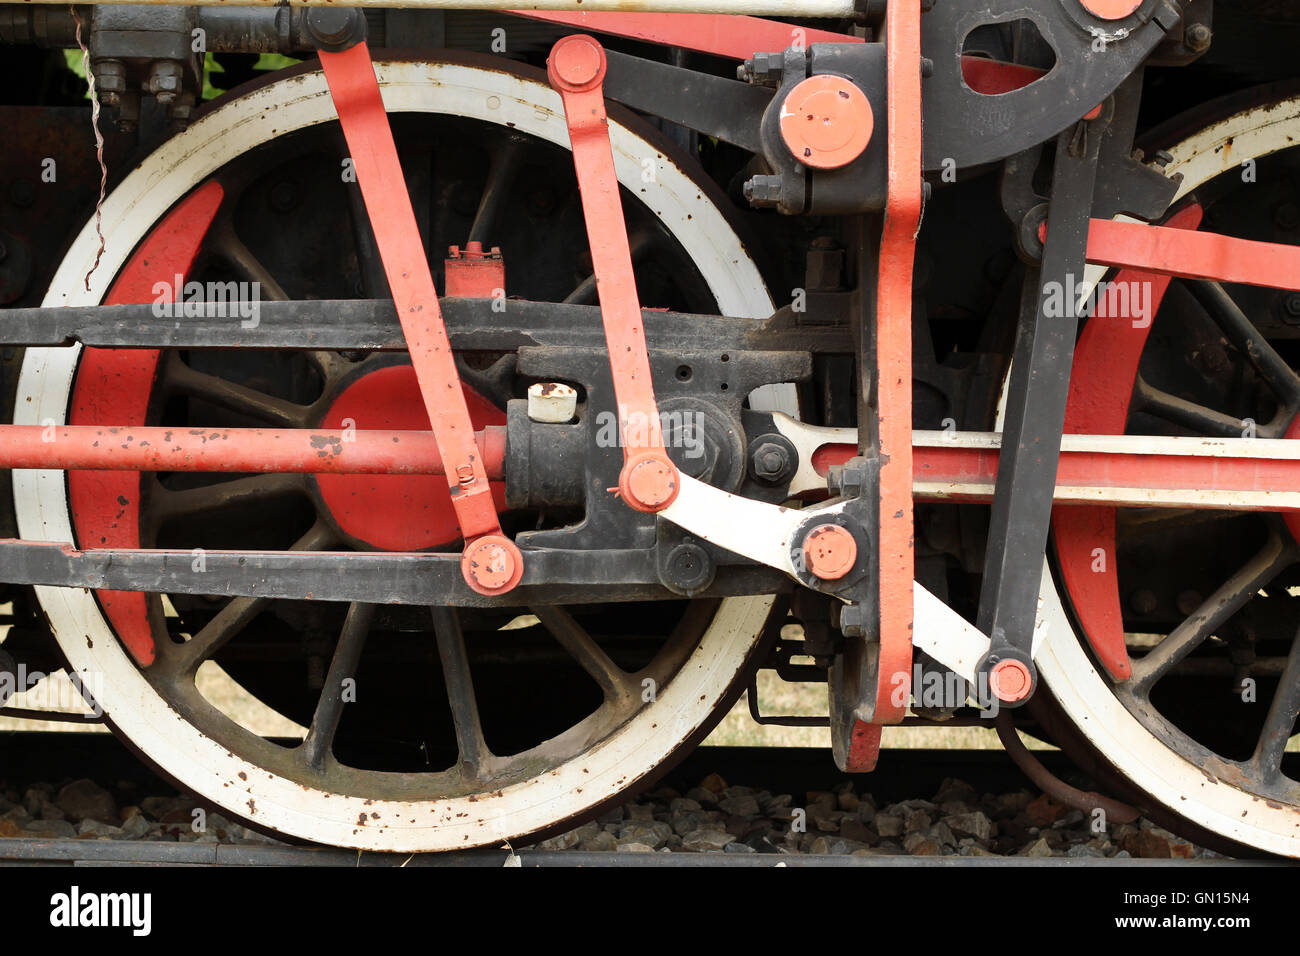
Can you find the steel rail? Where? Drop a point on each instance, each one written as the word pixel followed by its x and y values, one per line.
pixel 26 852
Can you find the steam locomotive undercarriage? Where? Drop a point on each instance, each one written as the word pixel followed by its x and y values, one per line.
pixel 491 392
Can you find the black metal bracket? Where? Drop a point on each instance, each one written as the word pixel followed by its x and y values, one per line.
pixel 1093 57
pixel 371 324
pixel 1036 399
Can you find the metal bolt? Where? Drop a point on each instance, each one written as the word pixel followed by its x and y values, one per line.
pixel 334 28
pixel 1197 37
pixel 110 76
pixel 164 81
pixel 1291 305
pixel 1162 159
pixel 1188 602
pixel 763 190
pixel 1143 601
pixel 689 568
pixel 854 620
pixel 769 461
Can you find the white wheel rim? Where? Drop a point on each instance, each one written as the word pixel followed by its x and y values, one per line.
pixel 198 762
pixel 1083 694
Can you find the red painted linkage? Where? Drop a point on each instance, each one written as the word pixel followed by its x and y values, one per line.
pixel 492 563
pixel 649 480
pixel 238 450
pixel 894 359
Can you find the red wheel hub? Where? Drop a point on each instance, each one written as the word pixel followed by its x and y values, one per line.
pixel 395 512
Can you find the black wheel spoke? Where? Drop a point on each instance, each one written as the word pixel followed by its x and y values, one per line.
pixel 614 682
pixel 1242 333
pixel 169 505
pixel 505 163
pixel 640 244
pixel 374 282
pixel 237 614
pixel 223 241
pixel 1214 611
pixel 319 742
pixel 1179 411
pixel 470 745
pixel 1281 718
pixel 236 398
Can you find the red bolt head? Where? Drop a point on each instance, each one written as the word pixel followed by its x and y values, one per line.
pixel 492 564
pixel 830 551
pixel 576 63
pixel 649 482
pixel 1010 680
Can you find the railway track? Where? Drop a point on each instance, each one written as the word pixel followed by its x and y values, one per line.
pixel 928 794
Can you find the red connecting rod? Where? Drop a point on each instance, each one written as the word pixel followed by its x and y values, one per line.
pixel 492 564
pixel 649 480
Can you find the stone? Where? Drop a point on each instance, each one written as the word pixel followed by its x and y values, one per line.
pixel 158 807
pixel 917 821
pixel 136 827
pixel 638 811
pixel 684 823
pixel 653 834
pixel 825 820
pixel 940 833
pixel 1038 848
pixel 1082 850
pixel 683 805
pixel 735 847
pixel 706 840
pixel 565 841
pixel 9 829
pixel 1013 801
pixel 977 850
pixel 87 800
pixel 889 825
pixel 740 806
pixel 97 830
pixel 738 826
pixel 854 829
pixel 50 829
pixel 760 843
pixel 974 824
pixel 1044 811
pixel 706 798
pixel 848 801
pixel 633 847
pixel 713 783
pixel 602 842
pixel 1146 845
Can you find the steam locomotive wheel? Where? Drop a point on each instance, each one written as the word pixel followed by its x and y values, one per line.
pixel 445 774
pixel 1203 604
